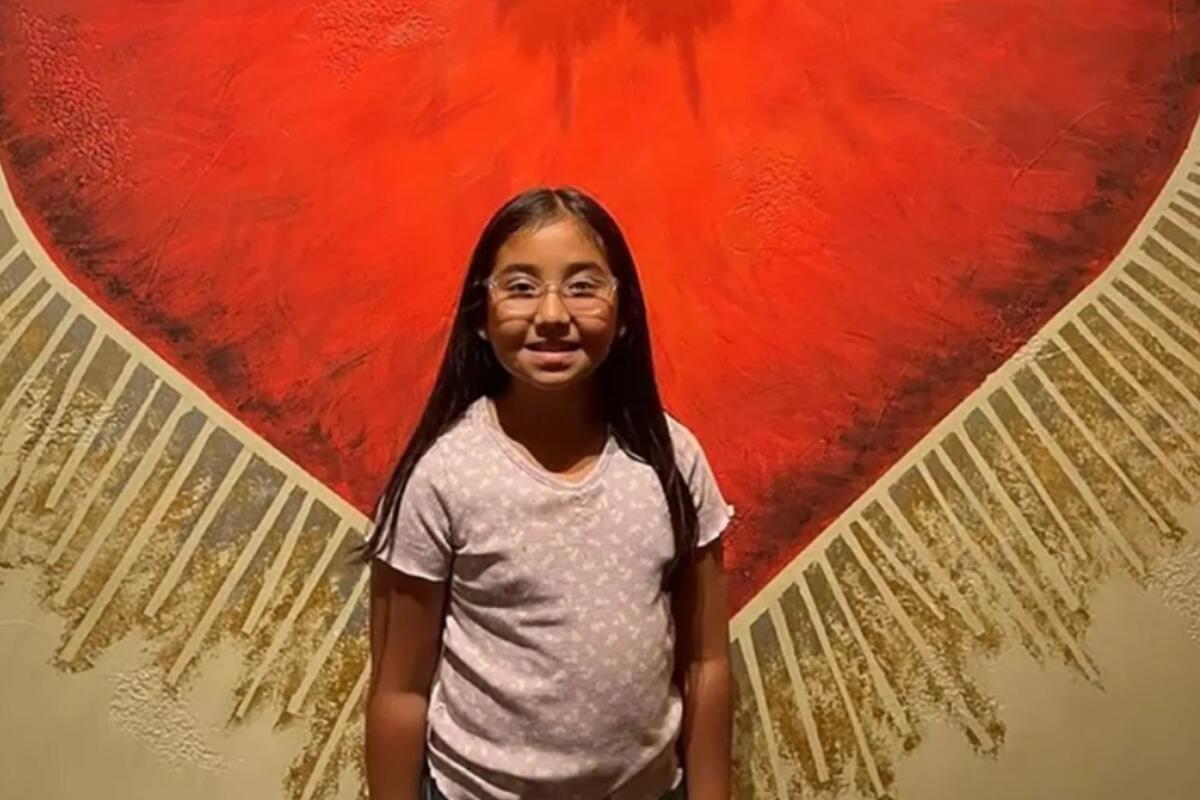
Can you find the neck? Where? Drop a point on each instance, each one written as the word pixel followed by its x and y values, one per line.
pixel 529 413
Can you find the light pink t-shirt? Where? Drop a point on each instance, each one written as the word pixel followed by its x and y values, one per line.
pixel 555 673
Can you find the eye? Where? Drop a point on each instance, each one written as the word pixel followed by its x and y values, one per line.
pixel 522 287
pixel 585 285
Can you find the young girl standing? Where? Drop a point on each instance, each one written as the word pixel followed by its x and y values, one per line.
pixel 548 611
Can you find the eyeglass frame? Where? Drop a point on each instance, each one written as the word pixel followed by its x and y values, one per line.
pixel 489 285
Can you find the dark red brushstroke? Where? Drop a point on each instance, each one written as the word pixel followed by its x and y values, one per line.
pixel 846 215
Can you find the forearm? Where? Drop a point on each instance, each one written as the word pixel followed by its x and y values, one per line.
pixel 395 745
pixel 708 729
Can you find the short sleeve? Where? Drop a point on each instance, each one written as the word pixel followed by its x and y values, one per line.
pixel 712 511
pixel 421 542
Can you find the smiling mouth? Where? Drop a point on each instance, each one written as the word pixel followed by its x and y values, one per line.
pixel 544 347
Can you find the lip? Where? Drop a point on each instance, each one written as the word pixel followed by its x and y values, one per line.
pixel 553 348
pixel 552 357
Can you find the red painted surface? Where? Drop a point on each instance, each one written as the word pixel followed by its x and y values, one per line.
pixel 845 214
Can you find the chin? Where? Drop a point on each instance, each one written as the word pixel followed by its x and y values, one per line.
pixel 552 381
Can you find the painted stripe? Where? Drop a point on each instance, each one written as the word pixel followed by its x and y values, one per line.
pixel 117 576
pixel 764 718
pixel 283 629
pixel 800 692
pixel 184 555
pixel 192 646
pixel 334 740
pixel 57 406
pixel 332 635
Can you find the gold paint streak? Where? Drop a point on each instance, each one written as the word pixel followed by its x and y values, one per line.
pixel 958 703
pixel 915 688
pixel 1169 252
pixel 800 690
pixel 1047 564
pixel 1141 319
pixel 196 638
pixel 1172 227
pixel 1175 373
pixel 836 735
pixel 36 298
pixel 1173 250
pixel 796 771
pixel 751 766
pixel 1104 322
pixel 1110 528
pixel 1184 313
pixel 1052 390
pixel 144 532
pixel 44 435
pixel 890 701
pixel 1136 427
pixel 991 573
pixel 315 664
pixel 864 750
pixel 24 388
pixel 335 736
pixel 275 571
pixel 199 529
pixel 10 255
pixel 1030 475
pixel 118 507
pixel 94 422
pixel 939 577
pixel 24 322
pixel 1183 192
pixel 1065 489
pixel 284 629
pixel 1039 597
pixel 322 718
pixel 1189 217
pixel 913 584
pixel 764 719
pixel 1145 395
pixel 9 270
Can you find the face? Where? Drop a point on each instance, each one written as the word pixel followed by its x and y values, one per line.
pixel 548 344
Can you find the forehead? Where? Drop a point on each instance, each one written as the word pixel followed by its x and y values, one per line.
pixel 553 248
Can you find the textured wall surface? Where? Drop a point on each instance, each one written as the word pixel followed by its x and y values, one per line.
pixel 925 277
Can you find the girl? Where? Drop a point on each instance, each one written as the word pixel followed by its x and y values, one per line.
pixel 548 612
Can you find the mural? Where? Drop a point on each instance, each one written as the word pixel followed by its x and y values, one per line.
pixel 924 277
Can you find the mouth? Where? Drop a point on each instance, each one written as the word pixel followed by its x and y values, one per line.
pixel 552 347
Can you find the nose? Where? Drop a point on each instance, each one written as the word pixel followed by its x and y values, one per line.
pixel 551 310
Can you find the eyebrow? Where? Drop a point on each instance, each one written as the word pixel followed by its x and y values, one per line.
pixel 530 269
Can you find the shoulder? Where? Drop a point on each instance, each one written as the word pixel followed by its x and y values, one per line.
pixel 679 431
pixel 453 446
pixel 714 513
pixel 434 467
pixel 687 447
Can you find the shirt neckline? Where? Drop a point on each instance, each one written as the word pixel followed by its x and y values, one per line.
pixel 485 417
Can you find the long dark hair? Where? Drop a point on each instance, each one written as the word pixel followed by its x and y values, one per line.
pixel 626 379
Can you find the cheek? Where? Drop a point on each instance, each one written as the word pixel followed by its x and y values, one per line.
pixel 507 335
pixel 597 336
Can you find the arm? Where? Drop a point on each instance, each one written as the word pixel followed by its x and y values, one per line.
pixel 702 618
pixel 405 623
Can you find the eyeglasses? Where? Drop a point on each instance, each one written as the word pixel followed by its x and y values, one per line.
pixel 582 295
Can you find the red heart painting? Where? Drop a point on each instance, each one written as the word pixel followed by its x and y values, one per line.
pixel 845 214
